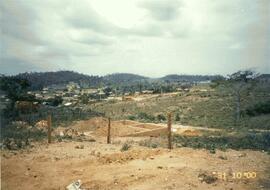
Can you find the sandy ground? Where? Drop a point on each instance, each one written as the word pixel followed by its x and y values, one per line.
pixel 102 166
pixel 98 127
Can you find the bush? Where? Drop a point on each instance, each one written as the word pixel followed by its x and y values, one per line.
pixel 131 117
pixel 254 141
pixel 125 147
pixel 60 115
pixel 161 117
pixel 150 143
pixel 145 116
pixel 15 137
pixel 258 109
pixel 57 100
pixel 177 117
pixel 84 99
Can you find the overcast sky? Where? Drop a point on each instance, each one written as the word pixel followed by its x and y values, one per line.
pixel 147 37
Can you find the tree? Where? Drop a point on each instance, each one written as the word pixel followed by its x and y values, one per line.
pixel 177 117
pixel 84 99
pixel 239 83
pixel 107 91
pixel 16 90
pixel 15 87
pixel 161 117
pixel 140 87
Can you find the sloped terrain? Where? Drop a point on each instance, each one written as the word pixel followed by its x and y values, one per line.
pixel 131 161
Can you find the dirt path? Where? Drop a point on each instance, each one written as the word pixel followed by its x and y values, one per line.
pixel 102 166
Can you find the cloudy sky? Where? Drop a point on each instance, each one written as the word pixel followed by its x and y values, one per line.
pixel 147 37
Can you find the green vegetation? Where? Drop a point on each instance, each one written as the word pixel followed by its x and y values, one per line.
pixel 177 117
pixel 239 84
pixel 54 101
pixel 207 178
pixel 145 116
pixel 60 115
pixel 161 117
pixel 250 140
pixel 15 87
pixel 203 106
pixel 142 116
pixel 258 109
pixel 84 99
pixel 125 147
pixel 235 105
pixel 150 143
pixel 15 137
pixel 132 117
pixel 39 80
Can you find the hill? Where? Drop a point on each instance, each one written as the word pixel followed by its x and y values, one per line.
pixel 189 78
pixel 123 78
pixel 38 80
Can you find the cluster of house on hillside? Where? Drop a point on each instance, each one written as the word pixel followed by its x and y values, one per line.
pixel 70 94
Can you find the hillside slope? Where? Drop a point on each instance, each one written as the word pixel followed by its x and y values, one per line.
pixel 39 80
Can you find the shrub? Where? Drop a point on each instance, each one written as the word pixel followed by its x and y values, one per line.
pixel 208 178
pixel 125 147
pixel 258 109
pixel 254 141
pixel 84 99
pixel 177 117
pixel 14 138
pixel 131 117
pixel 57 100
pixel 161 117
pixel 145 116
pixel 149 143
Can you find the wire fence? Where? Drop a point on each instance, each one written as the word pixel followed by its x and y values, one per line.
pixel 18 128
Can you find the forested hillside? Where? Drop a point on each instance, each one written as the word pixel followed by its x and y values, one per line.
pixel 38 80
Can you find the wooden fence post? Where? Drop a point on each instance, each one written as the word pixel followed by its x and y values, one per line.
pixel 49 122
pixel 169 130
pixel 109 131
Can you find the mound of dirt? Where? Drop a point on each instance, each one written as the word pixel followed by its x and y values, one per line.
pixel 118 129
pixel 129 155
pixel 191 133
pixel 91 124
pixel 151 133
pixel 126 122
pixel 148 125
pixel 99 127
pixel 42 125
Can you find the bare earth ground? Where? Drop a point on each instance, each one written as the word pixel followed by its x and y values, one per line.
pixel 103 166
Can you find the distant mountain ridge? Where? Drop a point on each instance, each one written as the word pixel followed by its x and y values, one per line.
pixel 189 78
pixel 38 80
pixel 123 78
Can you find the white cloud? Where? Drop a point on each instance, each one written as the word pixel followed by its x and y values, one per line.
pixel 236 46
pixel 150 37
pixel 162 10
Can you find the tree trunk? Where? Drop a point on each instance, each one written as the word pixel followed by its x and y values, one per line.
pixel 237 108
